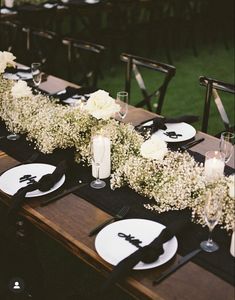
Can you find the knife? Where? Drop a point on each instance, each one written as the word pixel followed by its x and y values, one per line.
pixel 61 195
pixel 180 263
pixel 191 144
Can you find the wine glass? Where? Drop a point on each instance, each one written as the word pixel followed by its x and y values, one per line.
pixel 122 98
pixel 212 213
pixel 36 73
pixel 226 144
pixel 97 153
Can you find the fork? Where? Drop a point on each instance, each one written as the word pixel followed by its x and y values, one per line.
pixel 119 216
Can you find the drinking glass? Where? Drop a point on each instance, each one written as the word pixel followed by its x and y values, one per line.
pixel 122 98
pixel 226 144
pixel 212 214
pixel 36 73
pixel 97 154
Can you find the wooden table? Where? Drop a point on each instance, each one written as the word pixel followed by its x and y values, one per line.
pixel 70 219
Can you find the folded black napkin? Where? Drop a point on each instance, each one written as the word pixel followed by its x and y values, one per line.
pixel 71 91
pixel 12 70
pixel 44 184
pixel 159 122
pixel 146 254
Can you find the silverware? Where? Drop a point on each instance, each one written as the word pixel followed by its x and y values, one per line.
pixel 191 144
pixel 180 263
pixel 63 194
pixel 120 215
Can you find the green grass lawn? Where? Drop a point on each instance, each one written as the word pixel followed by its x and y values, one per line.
pixel 184 94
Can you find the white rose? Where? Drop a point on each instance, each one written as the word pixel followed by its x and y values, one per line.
pixel 2 66
pixel 20 89
pixel 154 148
pixel 101 106
pixel 231 186
pixel 6 59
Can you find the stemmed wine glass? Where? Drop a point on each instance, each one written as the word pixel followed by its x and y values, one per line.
pixel 226 144
pixel 212 213
pixel 36 73
pixel 97 153
pixel 122 98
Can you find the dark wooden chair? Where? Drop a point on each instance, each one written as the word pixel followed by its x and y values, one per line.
pixel 9 32
pixel 44 48
pixel 83 61
pixel 134 63
pixel 213 86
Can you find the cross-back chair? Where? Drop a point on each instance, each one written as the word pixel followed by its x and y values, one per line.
pixel 213 86
pixel 44 45
pixel 83 59
pixel 134 63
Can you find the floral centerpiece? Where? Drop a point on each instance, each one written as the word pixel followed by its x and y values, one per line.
pixel 171 180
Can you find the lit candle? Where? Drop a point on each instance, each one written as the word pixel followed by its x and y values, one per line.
pixel 214 165
pixel 232 246
pixel 105 166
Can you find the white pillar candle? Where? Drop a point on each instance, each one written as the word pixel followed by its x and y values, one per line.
pixel 105 166
pixel 232 246
pixel 9 3
pixel 214 165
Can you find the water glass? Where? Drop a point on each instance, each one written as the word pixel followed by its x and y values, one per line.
pixel 36 73
pixel 227 144
pixel 122 99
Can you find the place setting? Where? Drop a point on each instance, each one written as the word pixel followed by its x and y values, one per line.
pixel 73 96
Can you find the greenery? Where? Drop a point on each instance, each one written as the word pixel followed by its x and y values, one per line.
pixel 184 94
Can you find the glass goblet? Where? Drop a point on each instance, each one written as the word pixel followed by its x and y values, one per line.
pixel 97 153
pixel 212 214
pixel 36 73
pixel 226 145
pixel 122 99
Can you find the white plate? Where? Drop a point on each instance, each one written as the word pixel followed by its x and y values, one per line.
pixel 9 180
pixel 10 76
pixel 92 1
pixel 187 131
pixel 113 248
pixel 24 75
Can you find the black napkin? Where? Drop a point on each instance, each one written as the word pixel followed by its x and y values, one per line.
pixel 44 184
pixel 71 91
pixel 16 70
pixel 146 254
pixel 159 122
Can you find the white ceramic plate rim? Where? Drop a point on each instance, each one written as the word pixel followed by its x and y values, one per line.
pixel 146 230
pixel 9 182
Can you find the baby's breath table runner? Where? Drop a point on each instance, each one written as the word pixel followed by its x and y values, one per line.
pixel 146 174
pixel 220 263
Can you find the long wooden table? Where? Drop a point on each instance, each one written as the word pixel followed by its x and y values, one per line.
pixel 70 219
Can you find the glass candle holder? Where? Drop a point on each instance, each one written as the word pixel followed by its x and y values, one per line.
pixel 214 165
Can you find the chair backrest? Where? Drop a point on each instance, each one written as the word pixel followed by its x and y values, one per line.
pixel 44 48
pixel 213 86
pixel 83 59
pixel 133 64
